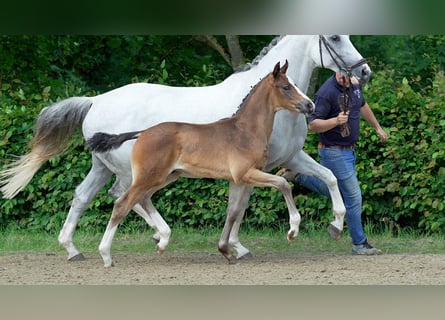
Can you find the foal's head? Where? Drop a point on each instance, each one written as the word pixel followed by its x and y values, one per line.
pixel 286 95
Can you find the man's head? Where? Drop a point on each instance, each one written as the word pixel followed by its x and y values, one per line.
pixel 344 80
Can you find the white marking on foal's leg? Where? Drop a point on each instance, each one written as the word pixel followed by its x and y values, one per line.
pixel 294 215
pixel 163 231
pixel 105 245
pixel 294 221
pixel 164 238
pixel 238 200
pixel 234 242
pixel 141 212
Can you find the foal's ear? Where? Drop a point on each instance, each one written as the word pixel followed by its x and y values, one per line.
pixel 276 69
pixel 284 68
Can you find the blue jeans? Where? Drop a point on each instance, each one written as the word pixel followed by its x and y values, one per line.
pixel 342 164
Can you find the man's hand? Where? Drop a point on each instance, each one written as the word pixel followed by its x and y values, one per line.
pixel 383 135
pixel 342 118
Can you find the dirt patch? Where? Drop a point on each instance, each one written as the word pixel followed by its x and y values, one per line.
pixel 212 269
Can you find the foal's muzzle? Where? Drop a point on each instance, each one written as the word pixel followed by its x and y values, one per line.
pixel 306 107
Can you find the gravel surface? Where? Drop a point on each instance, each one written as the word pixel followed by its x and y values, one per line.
pixel 212 269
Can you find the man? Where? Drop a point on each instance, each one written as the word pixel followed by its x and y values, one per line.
pixel 339 103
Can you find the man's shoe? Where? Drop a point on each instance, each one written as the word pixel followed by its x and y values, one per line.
pixel 365 249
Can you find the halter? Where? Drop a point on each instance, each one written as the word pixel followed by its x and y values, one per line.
pixel 344 105
pixel 336 57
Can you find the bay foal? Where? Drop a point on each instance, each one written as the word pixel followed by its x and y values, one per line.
pixel 234 149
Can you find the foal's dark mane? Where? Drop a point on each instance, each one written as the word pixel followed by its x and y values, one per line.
pixel 246 97
pixel 243 102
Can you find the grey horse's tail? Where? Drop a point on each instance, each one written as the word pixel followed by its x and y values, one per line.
pixel 103 142
pixel 53 131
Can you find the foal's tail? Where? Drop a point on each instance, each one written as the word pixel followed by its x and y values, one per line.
pixel 53 130
pixel 103 142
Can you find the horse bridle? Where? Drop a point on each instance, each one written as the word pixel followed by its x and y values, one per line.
pixel 336 57
pixel 345 130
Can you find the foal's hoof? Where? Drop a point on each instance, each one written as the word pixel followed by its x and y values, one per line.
pixel 334 232
pixel 232 260
pixel 291 236
pixel 160 250
pixel 77 257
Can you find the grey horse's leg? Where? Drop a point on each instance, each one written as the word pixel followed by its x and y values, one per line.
pixel 304 164
pixel 93 182
pixel 237 204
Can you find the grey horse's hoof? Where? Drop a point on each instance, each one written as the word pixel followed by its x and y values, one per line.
pixel 334 232
pixel 78 257
pixel 246 256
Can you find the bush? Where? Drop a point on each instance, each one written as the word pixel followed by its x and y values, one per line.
pixel 403 180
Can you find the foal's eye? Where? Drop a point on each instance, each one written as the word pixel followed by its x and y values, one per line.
pixel 286 88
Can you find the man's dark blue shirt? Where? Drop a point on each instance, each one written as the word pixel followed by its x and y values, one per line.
pixel 327 106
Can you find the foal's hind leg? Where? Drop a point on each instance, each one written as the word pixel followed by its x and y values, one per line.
pixel 120 210
pixel 140 192
pixel 119 188
pixel 163 231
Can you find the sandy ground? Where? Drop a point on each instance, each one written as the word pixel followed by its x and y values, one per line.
pixel 212 269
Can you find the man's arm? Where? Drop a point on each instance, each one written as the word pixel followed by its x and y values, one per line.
pixel 322 125
pixel 369 116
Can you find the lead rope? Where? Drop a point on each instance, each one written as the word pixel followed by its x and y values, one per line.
pixel 344 104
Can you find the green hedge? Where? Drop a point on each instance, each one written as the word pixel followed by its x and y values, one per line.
pixel 403 180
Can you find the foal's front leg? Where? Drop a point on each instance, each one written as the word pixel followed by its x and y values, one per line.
pixel 238 198
pixel 259 178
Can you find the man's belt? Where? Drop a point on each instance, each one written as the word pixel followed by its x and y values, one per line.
pixel 337 146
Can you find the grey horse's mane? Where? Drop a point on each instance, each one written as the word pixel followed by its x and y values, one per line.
pixel 249 66
pixel 258 58
pixel 252 88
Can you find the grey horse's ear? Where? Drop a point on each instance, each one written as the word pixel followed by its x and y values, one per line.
pixel 284 68
pixel 276 69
